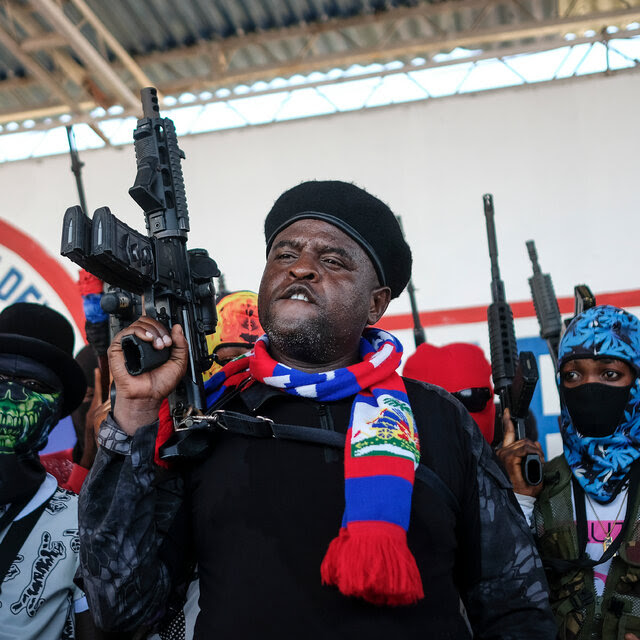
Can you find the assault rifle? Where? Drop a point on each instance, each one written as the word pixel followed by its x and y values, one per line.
pixel 514 377
pixel 545 304
pixel 176 284
pixel 418 330
pixel 96 328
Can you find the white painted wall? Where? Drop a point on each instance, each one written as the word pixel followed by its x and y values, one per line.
pixel 560 159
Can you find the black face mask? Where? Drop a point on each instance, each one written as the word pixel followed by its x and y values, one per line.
pixel 596 409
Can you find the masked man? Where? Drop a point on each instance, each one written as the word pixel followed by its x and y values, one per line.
pixel 304 516
pixel 586 516
pixel 40 382
pixel 237 330
pixel 463 370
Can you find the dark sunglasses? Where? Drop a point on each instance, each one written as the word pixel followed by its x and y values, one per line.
pixel 474 399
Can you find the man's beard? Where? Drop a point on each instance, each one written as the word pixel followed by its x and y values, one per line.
pixel 311 340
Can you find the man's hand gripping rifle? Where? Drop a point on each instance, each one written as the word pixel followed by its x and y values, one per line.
pixel 514 377
pixel 176 283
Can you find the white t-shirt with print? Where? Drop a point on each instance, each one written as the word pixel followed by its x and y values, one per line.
pixel 604 519
pixel 39 598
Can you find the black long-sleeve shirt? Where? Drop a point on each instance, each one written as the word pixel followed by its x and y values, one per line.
pixel 258 515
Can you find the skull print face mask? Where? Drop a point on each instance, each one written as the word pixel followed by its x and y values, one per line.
pixel 28 412
pixel 27 415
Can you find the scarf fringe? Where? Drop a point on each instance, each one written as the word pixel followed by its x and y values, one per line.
pixel 371 560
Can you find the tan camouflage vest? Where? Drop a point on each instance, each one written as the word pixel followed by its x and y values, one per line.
pixel 579 613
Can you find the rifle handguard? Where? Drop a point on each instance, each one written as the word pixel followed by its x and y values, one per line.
pixel 502 342
pixel 140 356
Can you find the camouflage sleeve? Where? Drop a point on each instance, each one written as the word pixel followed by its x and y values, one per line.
pixel 125 516
pixel 509 600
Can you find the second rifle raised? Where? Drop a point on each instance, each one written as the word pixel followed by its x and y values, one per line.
pixel 514 376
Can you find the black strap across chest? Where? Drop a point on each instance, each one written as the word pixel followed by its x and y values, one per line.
pixel 16 536
pixel 259 427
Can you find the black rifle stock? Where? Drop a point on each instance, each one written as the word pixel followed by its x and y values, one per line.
pixel 418 330
pixel 176 284
pixel 584 299
pixel 545 304
pixel 514 377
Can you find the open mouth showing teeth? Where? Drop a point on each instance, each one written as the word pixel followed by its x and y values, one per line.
pixel 299 296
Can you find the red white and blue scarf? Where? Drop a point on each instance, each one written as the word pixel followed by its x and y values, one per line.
pixel 370 558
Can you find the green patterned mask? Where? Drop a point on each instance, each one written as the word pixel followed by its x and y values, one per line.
pixel 26 417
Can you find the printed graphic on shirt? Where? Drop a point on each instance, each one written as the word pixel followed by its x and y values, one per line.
pixel 14 570
pixel 69 631
pixel 74 543
pixel 600 534
pixel 60 501
pixel 50 553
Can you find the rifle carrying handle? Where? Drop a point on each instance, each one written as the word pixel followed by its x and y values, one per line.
pixel 532 469
pixel 140 356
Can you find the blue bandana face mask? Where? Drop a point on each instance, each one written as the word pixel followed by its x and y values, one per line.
pixel 600 447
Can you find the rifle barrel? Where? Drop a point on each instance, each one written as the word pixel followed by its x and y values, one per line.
pixel 497 286
pixel 533 256
pixel 150 108
pixel 76 166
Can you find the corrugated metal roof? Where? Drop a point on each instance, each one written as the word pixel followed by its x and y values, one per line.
pixel 91 52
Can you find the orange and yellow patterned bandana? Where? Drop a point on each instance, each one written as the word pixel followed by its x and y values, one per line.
pixel 238 324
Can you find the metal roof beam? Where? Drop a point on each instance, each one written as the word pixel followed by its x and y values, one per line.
pixel 50 110
pixel 34 69
pixel 473 38
pixel 527 26
pixel 85 50
pixel 121 53
pixel 53 110
pixel 42 42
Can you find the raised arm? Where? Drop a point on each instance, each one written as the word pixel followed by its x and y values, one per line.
pixel 508 599
pixel 133 527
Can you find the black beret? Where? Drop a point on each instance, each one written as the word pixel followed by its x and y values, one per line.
pixel 46 336
pixel 360 215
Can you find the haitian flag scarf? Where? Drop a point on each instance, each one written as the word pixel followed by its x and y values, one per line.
pixel 369 558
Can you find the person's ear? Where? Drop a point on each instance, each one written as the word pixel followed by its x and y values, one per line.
pixel 378 303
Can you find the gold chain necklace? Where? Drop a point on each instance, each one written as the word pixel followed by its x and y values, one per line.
pixel 608 540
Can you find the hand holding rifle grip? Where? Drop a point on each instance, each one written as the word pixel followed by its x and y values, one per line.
pixel 140 356
pixel 522 389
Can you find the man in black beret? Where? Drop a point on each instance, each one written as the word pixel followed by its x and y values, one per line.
pixel 40 383
pixel 335 499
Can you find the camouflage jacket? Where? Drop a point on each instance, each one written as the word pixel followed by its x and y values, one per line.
pixel 138 529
